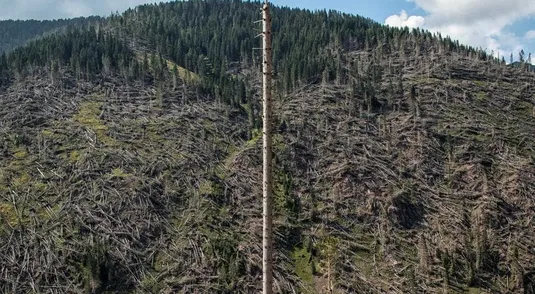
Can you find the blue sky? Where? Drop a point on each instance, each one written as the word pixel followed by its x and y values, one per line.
pixel 501 26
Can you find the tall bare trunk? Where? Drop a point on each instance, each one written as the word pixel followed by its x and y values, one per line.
pixel 267 181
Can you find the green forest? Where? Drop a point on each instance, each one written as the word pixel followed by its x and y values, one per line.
pixel 210 38
pixel 15 33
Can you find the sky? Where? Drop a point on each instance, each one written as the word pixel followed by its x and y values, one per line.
pixel 503 27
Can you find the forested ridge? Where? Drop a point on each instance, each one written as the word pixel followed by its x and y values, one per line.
pixel 130 157
pixel 213 38
pixel 15 33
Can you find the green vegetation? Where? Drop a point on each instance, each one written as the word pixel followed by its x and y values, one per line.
pixel 75 156
pixel 304 267
pixel 20 154
pixel 88 116
pixel 8 214
pixel 119 173
pixel 85 51
pixel 18 32
pixel 131 150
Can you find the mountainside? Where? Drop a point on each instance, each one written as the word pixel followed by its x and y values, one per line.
pixel 14 33
pixel 130 158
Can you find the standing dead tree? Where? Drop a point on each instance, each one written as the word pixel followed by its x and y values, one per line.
pixel 267 179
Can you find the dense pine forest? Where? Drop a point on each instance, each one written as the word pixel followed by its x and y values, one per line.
pixel 14 33
pixel 130 156
pixel 213 38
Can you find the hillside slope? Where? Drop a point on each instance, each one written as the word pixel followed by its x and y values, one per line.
pixel 404 162
pixel 15 33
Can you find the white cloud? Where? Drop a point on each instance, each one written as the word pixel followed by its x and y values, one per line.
pixel 465 12
pixel 530 35
pixel 403 20
pixel 74 8
pixel 475 22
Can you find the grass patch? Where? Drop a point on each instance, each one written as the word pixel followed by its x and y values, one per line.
pixel 22 180
pixel 51 213
pixel 256 136
pixel 8 214
pixel 75 156
pixel 20 154
pixel 88 116
pixel 119 173
pixel 41 187
pixel 206 188
pixel 47 133
pixel 183 73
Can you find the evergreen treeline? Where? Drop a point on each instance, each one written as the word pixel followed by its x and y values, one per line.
pixel 215 38
pixel 86 51
pixel 209 37
pixel 14 33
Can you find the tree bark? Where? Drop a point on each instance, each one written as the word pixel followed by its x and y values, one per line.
pixel 267 180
